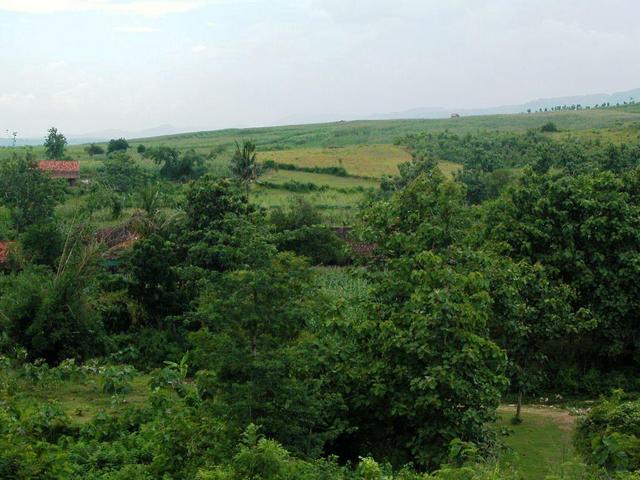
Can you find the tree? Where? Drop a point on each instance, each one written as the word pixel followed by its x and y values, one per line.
pixel 430 372
pixel 175 165
pixel 301 229
pixel 51 314
pixel 27 192
pixel 585 231
pixel 531 316
pixel 210 199
pixel 94 149
pixel 54 144
pixel 155 279
pixel 42 243
pixel 261 358
pixel 119 145
pixel 244 164
pixel 428 214
pixel 120 173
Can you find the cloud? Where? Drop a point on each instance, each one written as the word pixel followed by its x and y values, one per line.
pixel 151 8
pixel 139 29
pixel 198 48
pixel 16 99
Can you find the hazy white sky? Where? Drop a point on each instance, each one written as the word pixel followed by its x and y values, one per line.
pixel 89 65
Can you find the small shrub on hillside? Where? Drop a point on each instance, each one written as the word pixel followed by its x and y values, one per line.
pixel 117 379
pixel 549 127
pixel 94 149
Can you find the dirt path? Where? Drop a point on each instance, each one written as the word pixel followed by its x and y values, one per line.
pixel 560 416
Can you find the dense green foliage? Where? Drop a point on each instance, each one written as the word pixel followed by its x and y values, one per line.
pixel 609 436
pixel 176 165
pixel 301 229
pixel 513 276
pixel 119 145
pixel 28 193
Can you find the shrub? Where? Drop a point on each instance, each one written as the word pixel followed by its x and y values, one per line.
pixel 116 379
pixel 301 229
pixel 549 127
pixel 119 145
pixel 94 149
pixel 609 436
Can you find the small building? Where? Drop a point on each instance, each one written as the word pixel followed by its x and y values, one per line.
pixel 69 169
pixel 455 115
pixel 4 253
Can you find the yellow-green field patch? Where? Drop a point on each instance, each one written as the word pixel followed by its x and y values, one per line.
pixel 362 160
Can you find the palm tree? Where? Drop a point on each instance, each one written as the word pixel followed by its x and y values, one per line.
pixel 244 165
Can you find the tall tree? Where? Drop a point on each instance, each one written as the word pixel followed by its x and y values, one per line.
pixel 244 164
pixel 27 192
pixel 54 144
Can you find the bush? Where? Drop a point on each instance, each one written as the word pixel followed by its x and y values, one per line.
pixel 549 127
pixel 609 436
pixel 94 149
pixel 337 171
pixel 42 243
pixel 116 379
pixel 119 145
pixel 301 229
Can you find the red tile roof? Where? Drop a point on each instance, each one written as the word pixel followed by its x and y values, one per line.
pixel 4 248
pixel 61 168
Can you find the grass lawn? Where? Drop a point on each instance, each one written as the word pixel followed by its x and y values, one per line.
pixel 541 443
pixel 82 400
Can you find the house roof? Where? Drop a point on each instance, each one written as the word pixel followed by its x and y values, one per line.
pixel 60 167
pixel 4 248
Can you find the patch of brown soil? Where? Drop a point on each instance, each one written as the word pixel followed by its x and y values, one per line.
pixel 560 416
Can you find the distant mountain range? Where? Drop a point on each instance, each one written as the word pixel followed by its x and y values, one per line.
pixel 415 113
pixel 103 136
pixel 535 105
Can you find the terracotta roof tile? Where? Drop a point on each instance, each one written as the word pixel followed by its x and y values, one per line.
pixel 59 165
pixel 4 248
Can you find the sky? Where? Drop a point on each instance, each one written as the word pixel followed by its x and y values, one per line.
pixel 90 65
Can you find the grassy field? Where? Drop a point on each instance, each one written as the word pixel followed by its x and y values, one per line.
pixel 364 148
pixel 541 443
pixel 80 400
pixel 372 132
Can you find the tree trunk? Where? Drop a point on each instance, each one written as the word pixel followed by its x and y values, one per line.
pixel 518 417
pixel 254 353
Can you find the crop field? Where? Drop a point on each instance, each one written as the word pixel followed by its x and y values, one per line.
pixel 361 160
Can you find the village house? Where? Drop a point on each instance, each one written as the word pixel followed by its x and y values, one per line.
pixel 69 169
pixel 4 252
